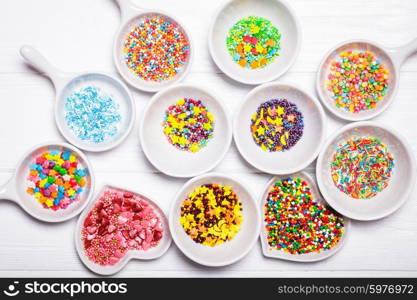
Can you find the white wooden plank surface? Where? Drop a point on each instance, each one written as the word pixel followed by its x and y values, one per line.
pixel 77 35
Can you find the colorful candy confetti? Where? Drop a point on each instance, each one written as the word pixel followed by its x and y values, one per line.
pixel 253 42
pixel 357 81
pixel 56 179
pixel 211 215
pixel 297 224
pixel 120 221
pixel 277 125
pixel 188 125
pixel 92 114
pixel 156 49
pixel 362 167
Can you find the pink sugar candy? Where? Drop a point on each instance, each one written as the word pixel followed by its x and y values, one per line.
pixel 118 222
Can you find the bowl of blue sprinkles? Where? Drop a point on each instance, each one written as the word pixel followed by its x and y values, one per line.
pixel 95 112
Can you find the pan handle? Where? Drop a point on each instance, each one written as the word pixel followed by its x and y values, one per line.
pixel 39 62
pixel 7 191
pixel 127 10
pixel 400 54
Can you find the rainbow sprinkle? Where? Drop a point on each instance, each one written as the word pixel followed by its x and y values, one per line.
pixel 362 167
pixel 188 125
pixel 156 49
pixel 357 81
pixel 295 223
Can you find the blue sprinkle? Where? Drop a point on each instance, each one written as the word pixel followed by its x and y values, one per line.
pixel 92 115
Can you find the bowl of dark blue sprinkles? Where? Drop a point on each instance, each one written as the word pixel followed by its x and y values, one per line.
pixel 279 129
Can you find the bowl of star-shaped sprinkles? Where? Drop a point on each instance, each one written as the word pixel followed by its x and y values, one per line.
pixel 214 220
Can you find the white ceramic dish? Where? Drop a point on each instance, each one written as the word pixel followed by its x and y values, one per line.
pixel 392 58
pixel 152 253
pixel 130 16
pixel 66 84
pixel 385 202
pixel 231 251
pixel 281 16
pixel 15 189
pixel 164 156
pixel 303 152
pixel 308 257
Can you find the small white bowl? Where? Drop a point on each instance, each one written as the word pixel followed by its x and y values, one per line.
pixel 392 58
pixel 231 251
pixel 164 156
pixel 308 257
pixel 303 152
pixel 15 189
pixel 279 13
pixel 131 15
pixel 152 253
pixel 399 186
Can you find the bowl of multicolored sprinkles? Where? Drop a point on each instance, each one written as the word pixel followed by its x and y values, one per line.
pixel 152 50
pixel 297 224
pixel 53 182
pixel 254 41
pixel 366 171
pixel 214 220
pixel 279 129
pixel 185 131
pixel 357 80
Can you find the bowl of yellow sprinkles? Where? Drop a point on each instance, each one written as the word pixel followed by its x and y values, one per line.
pixel 214 220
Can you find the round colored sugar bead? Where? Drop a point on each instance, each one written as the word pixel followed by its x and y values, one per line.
pixel 188 125
pixel 211 214
pixel 253 42
pixel 277 125
pixel 156 49
pixel 92 114
pixel 51 179
pixel 295 223
pixel 362 167
pixel 357 81
pixel 118 222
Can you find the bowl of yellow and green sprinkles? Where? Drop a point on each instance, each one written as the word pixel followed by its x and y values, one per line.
pixel 214 220
pixel 254 41
pixel 185 131
pixel 297 224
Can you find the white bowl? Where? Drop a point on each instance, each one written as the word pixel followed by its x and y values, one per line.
pixel 307 257
pixel 164 156
pixel 231 251
pixel 131 15
pixel 324 70
pixel 15 189
pixel 152 253
pixel 281 16
pixel 399 186
pixel 303 152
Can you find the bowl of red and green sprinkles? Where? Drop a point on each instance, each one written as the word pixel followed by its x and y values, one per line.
pixel 214 220
pixel 185 131
pixel 254 41
pixel 357 80
pixel 366 171
pixel 279 129
pixel 152 50
pixel 297 224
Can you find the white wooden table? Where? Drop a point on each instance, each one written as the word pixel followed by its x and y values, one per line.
pixel 77 35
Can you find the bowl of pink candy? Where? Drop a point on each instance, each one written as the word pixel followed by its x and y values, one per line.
pixel 118 226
